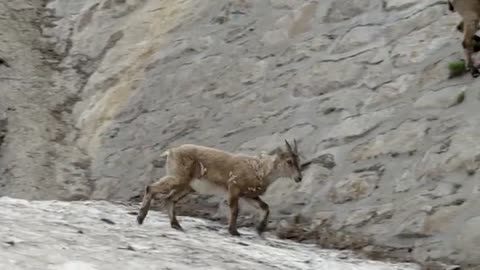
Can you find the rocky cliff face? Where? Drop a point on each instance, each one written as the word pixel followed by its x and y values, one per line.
pixel 93 91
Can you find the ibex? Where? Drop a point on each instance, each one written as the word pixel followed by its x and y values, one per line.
pixel 211 171
pixel 470 12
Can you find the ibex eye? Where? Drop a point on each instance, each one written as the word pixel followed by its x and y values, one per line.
pixel 289 162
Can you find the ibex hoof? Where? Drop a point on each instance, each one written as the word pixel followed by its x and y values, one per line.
pixel 140 220
pixel 176 226
pixel 234 232
pixel 475 72
pixel 260 229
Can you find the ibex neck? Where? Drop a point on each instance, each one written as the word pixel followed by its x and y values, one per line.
pixel 268 162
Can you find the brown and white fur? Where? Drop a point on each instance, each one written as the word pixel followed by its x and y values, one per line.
pixel 193 168
pixel 470 12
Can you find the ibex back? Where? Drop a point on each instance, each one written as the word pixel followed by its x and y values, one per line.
pixel 193 168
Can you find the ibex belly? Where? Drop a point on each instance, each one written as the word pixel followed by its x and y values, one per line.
pixel 205 187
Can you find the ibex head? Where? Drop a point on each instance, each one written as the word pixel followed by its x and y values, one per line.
pixel 288 164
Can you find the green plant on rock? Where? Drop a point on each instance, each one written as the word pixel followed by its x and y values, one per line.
pixel 457 68
pixel 460 98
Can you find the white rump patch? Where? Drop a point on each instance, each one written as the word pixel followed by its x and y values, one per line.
pixel 205 187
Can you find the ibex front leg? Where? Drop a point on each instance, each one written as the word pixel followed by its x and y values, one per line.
pixel 259 203
pixel 166 186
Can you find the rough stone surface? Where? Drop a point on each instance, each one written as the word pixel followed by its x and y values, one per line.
pixel 99 235
pixel 403 140
pixel 93 91
pixel 442 99
pixel 469 237
pixel 356 186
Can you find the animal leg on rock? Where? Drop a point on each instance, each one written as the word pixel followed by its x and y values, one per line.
pixel 476 39
pixel 233 197
pixel 259 203
pixel 159 187
pixel 470 28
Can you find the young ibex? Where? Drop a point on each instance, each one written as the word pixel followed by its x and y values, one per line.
pixel 470 12
pixel 207 170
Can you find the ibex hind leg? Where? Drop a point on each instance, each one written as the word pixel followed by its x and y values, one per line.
pixel 233 197
pixel 476 39
pixel 163 186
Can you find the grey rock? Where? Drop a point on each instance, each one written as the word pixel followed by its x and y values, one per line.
pixel 357 126
pixel 286 4
pixel 413 226
pixel 404 139
pixel 405 182
pixel 399 4
pixel 45 234
pixel 302 19
pixel 467 239
pixel 359 217
pixel 441 190
pixel 355 186
pixel 320 43
pixel 358 37
pixel 437 222
pixel 387 93
pixel 344 10
pixel 440 266
pixel 372 215
pixel 405 51
pixel 457 153
pixel 317 81
pixel 441 99
pixel 322 218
